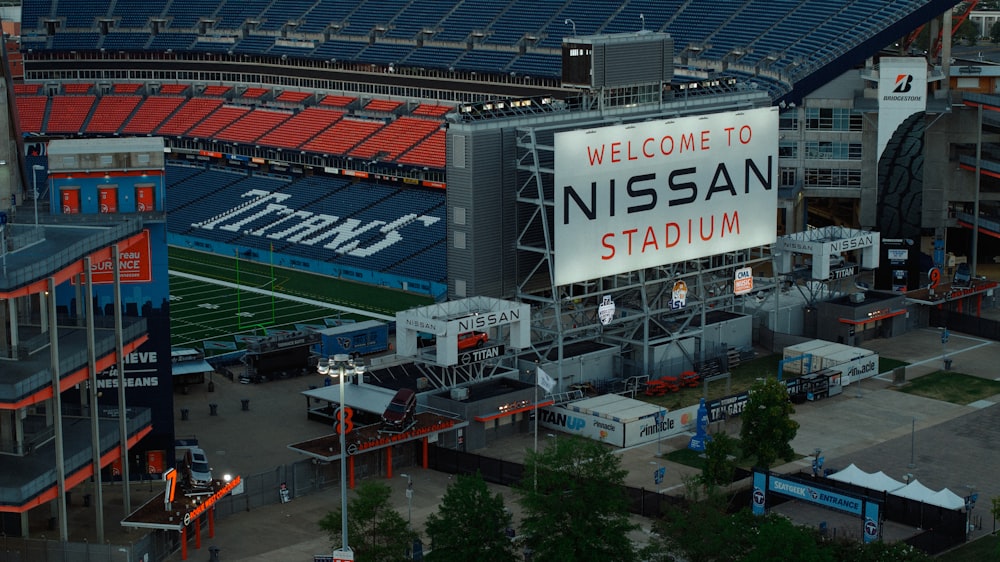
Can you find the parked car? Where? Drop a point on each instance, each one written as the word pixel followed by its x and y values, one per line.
pixel 398 415
pixel 469 340
pixel 198 471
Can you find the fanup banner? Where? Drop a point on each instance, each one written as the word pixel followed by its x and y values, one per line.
pixel 641 195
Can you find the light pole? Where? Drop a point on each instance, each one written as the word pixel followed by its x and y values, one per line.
pixel 409 500
pixel 344 367
pixel 34 188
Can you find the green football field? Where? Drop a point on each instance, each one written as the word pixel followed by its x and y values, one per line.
pixel 228 298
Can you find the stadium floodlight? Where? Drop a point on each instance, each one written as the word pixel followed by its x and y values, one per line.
pixel 345 368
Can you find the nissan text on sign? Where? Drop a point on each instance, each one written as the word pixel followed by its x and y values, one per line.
pixel 629 197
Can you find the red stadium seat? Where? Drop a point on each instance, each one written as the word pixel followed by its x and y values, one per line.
pixel 343 136
pixel 188 115
pixel 396 138
pixel 253 125
pixel 301 128
pixel 111 112
pixel 151 114
pixel 68 113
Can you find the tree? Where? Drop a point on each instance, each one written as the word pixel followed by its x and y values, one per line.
pixel 376 532
pixel 576 508
pixel 767 426
pixel 470 524
pixel 718 468
pixel 995 33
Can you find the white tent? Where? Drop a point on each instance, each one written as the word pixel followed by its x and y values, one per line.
pixel 851 475
pixel 916 491
pixel 878 481
pixel 948 499
pixel 884 483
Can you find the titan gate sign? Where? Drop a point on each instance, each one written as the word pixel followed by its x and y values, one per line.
pixel 765 483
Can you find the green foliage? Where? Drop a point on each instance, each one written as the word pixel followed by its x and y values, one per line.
pixel 995 33
pixel 705 533
pixel 469 524
pixel 579 509
pixel 718 467
pixel 767 427
pixel 375 531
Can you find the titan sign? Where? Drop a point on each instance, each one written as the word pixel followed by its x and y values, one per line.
pixel 629 197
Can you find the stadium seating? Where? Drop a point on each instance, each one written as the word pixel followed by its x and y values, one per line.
pixel 391 141
pixel 383 105
pixel 26 89
pixel 67 114
pixel 300 128
pixel 343 136
pixel 232 14
pixel 77 88
pixel 219 119
pixel 125 41
pixel 587 16
pixel 255 93
pixel 31 112
pixel 292 97
pixel 126 87
pixel 151 114
pixel 337 101
pixel 278 14
pixel 252 126
pixel 430 152
pixel 415 17
pixel 173 89
pixel 372 13
pixel 135 13
pixel 216 90
pixel 466 18
pixel 434 57
pixel 111 112
pixel 192 112
pixel 432 110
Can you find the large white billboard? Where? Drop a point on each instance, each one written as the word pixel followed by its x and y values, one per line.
pixel 902 91
pixel 634 196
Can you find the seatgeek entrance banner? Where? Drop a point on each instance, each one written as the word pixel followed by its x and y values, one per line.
pixel 642 195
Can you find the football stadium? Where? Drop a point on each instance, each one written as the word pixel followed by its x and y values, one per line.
pixel 614 194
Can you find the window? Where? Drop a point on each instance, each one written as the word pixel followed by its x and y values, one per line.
pixel 833 150
pixel 788 149
pixel 832 119
pixel 825 177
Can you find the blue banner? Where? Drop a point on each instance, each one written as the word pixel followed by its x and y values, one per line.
pixel 873 526
pixel 759 496
pixel 816 495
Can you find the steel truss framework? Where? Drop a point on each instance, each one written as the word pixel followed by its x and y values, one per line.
pixel 644 318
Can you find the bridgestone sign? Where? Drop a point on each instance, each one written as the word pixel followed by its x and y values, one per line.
pixel 629 197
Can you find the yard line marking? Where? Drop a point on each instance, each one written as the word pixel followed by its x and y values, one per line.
pixel 320 304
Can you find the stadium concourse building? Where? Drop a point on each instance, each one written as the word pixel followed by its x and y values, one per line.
pixel 85 386
pixel 620 171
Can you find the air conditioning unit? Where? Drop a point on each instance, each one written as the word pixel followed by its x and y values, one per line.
pixel 460 393
pixel 857 297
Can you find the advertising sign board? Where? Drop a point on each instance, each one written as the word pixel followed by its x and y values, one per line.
pixel 633 196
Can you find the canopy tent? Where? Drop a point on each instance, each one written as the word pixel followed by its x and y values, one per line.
pixel 948 499
pixel 877 481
